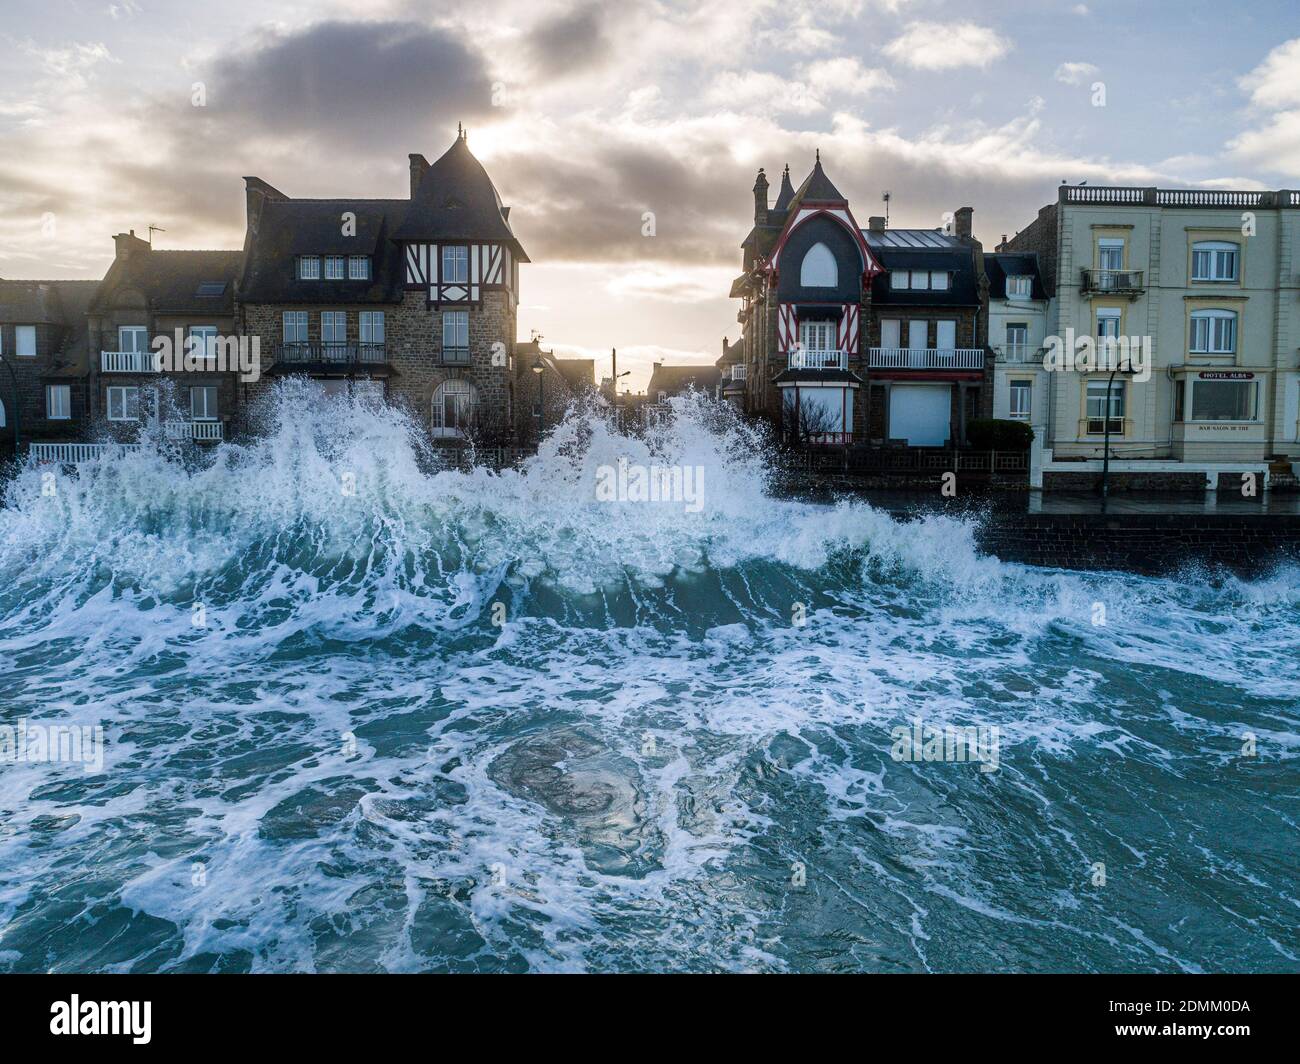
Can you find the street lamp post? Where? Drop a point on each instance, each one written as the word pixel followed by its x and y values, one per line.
pixel 537 368
pixel 13 377
pixel 1105 451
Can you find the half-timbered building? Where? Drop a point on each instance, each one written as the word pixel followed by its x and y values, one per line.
pixel 859 336
pixel 415 299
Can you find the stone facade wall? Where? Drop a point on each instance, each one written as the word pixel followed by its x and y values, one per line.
pixel 31 376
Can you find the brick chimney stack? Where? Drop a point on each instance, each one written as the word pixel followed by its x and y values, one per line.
pixel 419 167
pixel 760 198
pixel 962 226
pixel 127 244
pixel 876 224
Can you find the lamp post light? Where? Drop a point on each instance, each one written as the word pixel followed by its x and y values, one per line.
pixel 537 368
pixel 1105 451
pixel 13 377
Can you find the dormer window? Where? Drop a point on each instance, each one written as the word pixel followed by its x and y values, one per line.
pixel 333 267
pixel 919 280
pixel 358 267
pixel 309 267
pixel 455 265
pixel 1019 286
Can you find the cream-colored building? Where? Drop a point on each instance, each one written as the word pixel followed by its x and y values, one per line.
pixel 1205 285
pixel 1019 315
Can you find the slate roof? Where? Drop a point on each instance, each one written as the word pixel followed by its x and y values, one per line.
pixel 456 200
pixel 170 280
pixel 1002 264
pixel 579 372
pixel 817 187
pixel 677 379
pixel 60 303
pixel 786 194
pixel 288 228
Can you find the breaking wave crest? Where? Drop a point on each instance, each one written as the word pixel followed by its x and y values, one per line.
pixel 362 713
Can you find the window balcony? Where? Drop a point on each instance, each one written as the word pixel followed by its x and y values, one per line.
pixel 1019 353
pixel 330 355
pixel 926 358
pixel 1113 282
pixel 126 362
pixel 207 431
pixel 817 358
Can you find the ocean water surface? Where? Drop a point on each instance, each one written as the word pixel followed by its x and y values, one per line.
pixel 360 716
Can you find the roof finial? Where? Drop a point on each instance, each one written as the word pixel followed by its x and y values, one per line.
pixel 819 156
pixel 460 132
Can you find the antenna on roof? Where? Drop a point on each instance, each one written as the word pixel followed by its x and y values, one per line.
pixel 885 196
pixel 155 229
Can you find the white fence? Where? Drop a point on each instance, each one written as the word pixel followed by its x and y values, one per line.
pixel 126 362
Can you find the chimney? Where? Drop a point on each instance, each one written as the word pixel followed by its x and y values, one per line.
pixel 724 345
pixel 760 198
pixel 127 244
pixel 419 167
pixel 256 193
pixel 876 224
pixel 962 222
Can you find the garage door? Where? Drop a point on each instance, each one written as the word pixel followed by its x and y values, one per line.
pixel 920 414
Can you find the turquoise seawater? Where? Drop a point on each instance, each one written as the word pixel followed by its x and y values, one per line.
pixel 358 717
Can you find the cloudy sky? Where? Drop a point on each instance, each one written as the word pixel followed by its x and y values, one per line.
pixel 588 115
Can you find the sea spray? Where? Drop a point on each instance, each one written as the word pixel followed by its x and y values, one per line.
pixel 478 721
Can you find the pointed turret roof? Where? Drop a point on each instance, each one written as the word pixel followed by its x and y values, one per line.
pixel 817 187
pixel 456 200
pixel 786 194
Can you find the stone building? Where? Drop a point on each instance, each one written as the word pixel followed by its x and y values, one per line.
pixel 148 298
pixel 43 346
pixel 413 298
pixel 860 336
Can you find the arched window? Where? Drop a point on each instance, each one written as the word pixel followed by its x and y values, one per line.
pixel 1214 332
pixel 818 269
pixel 454 403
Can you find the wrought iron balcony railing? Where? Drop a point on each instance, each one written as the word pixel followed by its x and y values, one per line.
pixel 1112 282
pixel 341 354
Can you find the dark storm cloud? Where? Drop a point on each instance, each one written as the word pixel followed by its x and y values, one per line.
pixel 570 42
pixel 353 83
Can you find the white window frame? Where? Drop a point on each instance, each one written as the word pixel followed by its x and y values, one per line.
pixel 818 335
pixel 1020 286
pixel 455 264
pixel 335 267
pixel 210 409
pixel 1215 329
pixel 455 329
pixel 25 350
pixel 920 280
pixel 331 322
pixel 1020 399
pixel 58 402
pixel 371 326
pixel 900 280
pixel 1210 256
pixel 1107 246
pixel 358 267
pixel 294 322
pixel 1109 316
pixel 1096 390
pixel 309 267
pixel 939 280
pixel 139 341
pixel 209 334
pixel 119 400
pixel 463 410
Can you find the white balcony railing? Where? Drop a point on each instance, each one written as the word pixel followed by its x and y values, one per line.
pixel 193 430
pixel 738 372
pixel 927 358
pixel 817 358
pixel 73 453
pixel 126 362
